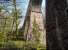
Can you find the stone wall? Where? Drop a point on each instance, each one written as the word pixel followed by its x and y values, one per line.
pixel 36 13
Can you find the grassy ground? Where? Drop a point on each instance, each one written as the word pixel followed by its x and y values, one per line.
pixel 22 45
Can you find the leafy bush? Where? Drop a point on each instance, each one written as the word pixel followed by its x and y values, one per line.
pixel 2 37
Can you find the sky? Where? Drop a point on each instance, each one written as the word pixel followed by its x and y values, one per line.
pixel 43 7
pixel 23 5
pixel 43 3
pixel 26 6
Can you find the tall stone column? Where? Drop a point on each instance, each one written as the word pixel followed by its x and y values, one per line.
pixel 36 13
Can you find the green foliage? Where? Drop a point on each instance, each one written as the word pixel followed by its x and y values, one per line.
pixel 9 45
pixel 41 48
pixel 1 8
pixel 2 37
pixel 9 23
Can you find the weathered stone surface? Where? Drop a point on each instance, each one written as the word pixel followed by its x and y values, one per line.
pixel 37 15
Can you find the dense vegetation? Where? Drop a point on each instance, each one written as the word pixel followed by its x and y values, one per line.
pixel 9 29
